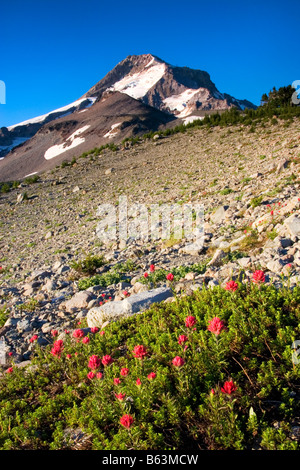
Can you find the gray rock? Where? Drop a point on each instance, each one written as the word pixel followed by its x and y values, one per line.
pixel 113 311
pixel 217 259
pixel 193 249
pixel 244 262
pixel 219 215
pixel 48 235
pixel 79 301
pixel 275 266
pixel 24 325
pixel 293 225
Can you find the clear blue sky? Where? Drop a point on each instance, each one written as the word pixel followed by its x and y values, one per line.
pixel 53 51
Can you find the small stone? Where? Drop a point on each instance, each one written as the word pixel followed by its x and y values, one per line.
pixel 217 259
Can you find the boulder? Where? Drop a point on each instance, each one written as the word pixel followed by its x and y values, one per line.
pixel 79 301
pixel 293 225
pixel 113 311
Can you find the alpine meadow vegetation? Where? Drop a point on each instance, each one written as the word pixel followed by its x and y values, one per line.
pixel 212 370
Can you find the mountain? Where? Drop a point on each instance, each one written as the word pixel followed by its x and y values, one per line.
pixel 141 93
pixel 180 91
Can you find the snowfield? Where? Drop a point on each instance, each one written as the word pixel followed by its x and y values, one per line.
pixel 138 84
pixel 44 116
pixel 112 133
pixel 71 142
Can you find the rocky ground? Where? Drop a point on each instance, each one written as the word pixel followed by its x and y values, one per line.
pixel 248 182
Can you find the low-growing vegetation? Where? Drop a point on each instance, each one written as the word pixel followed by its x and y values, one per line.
pixel 213 370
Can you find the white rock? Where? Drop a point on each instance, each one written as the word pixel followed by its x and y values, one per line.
pixel 113 311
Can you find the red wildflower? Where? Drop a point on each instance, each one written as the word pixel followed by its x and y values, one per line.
pixel 99 375
pixel 78 333
pixel 102 333
pixel 258 277
pixel 54 333
pixel 9 370
pixel 138 382
pixel 229 387
pixel 86 340
pixel 272 212
pixel 57 348
pixel 107 360
pixel 170 277
pixel 120 396
pixel 190 321
pixel 231 285
pixel 178 361
pixel 117 381
pixel 182 339
pixel 124 371
pixel 126 293
pixel 212 391
pixel 126 421
pixel 33 338
pixel 91 375
pixel 94 362
pixel 68 356
pixel 146 274
pixel 139 351
pixel 216 326
pixel 10 353
pixel 152 268
pixel 151 376
pixel 94 329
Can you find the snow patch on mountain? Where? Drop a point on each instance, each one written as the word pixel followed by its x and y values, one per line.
pixel 112 132
pixel 189 119
pixel 139 83
pixel 41 118
pixel 179 102
pixel 71 142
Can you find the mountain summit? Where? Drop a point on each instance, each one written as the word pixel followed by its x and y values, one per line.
pixel 140 94
pixel 176 90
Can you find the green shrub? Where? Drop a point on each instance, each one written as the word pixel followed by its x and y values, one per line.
pixel 89 264
pixel 32 179
pixel 226 191
pixel 227 393
pixel 256 201
pixel 4 313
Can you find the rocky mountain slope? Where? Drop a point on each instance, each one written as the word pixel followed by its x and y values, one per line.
pixel 141 93
pixel 248 182
pixel 176 90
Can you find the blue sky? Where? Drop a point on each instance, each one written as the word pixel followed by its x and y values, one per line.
pixel 52 52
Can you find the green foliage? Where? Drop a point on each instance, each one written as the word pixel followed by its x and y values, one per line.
pixel 278 98
pixel 159 275
pixel 89 264
pixel 256 201
pixel 32 179
pixel 272 234
pixel 29 306
pixel 113 276
pixel 184 407
pixel 4 313
pixel 226 191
